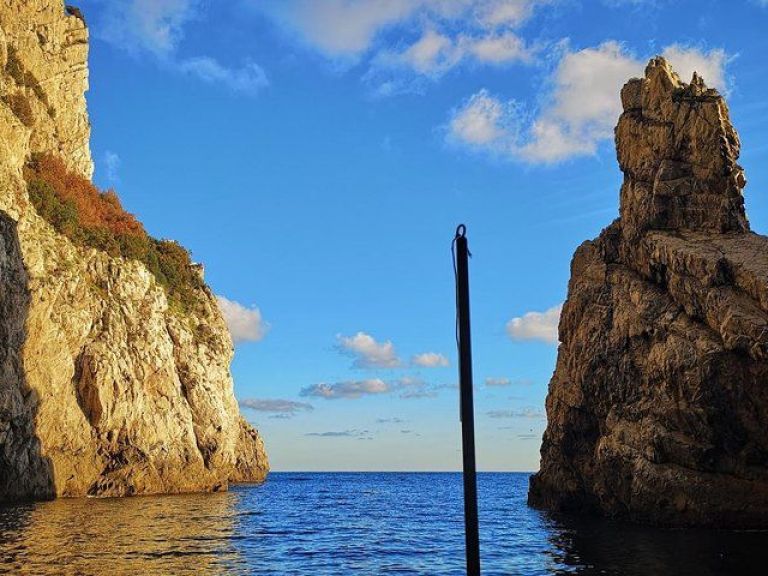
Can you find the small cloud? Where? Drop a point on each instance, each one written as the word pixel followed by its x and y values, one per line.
pixel 430 360
pixel 528 436
pixel 528 413
pixel 349 390
pixel 536 326
pixel 358 434
pixel 498 382
pixel 367 352
pixel 502 382
pixel 112 166
pixel 281 408
pixel 485 122
pixel 390 421
pixel 245 324
pixel 248 79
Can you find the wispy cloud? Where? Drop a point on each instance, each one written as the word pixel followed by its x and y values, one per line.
pixel 357 434
pixel 348 390
pixel 112 166
pixel 156 27
pixel 245 324
pixel 525 413
pixel 430 360
pixel 503 382
pixel 248 79
pixel 581 110
pixel 536 325
pixel 279 407
pixel 407 388
pixel 403 41
pixel 367 352
pixel 390 421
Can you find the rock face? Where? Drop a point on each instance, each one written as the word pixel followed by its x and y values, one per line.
pixel 658 407
pixel 103 389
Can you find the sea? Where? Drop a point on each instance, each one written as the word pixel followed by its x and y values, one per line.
pixel 318 524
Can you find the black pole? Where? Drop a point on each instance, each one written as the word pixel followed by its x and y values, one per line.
pixel 471 528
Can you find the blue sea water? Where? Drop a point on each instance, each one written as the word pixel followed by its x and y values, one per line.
pixel 318 524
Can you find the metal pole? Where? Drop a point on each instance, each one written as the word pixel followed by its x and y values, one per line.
pixel 471 528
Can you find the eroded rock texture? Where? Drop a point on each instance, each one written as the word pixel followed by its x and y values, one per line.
pixel 658 407
pixel 103 390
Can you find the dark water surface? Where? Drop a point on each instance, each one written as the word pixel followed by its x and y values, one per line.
pixel 322 524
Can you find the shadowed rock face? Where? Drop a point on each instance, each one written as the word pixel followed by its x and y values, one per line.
pixel 103 390
pixel 658 407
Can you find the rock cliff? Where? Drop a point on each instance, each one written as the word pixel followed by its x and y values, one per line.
pixel 104 390
pixel 658 407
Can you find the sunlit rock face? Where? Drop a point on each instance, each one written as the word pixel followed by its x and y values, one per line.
pixel 103 390
pixel 658 407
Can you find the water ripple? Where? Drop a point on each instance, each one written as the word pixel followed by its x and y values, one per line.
pixel 300 524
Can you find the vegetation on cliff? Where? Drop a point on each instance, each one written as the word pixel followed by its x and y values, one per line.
pixel 95 219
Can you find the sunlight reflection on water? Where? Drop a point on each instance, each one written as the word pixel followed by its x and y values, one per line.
pixel 324 524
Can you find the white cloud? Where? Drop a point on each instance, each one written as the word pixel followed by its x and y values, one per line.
pixel 369 353
pixel 536 325
pixel 447 33
pixel 153 25
pixel 499 48
pixel 248 79
pixel 348 390
pixel 157 27
pixel 245 324
pixel 506 12
pixel 339 27
pixel 112 165
pixel 709 65
pixel 581 110
pixel 430 360
pixel 483 121
pixel 433 54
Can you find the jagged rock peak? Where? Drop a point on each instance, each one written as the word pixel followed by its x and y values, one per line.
pixel 678 151
pixel 656 409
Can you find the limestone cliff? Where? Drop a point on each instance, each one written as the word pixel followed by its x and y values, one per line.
pixel 658 407
pixel 103 389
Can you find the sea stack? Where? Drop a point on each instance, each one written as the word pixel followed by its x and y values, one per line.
pixel 106 387
pixel 658 406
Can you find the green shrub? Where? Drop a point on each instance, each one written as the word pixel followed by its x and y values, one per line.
pixel 95 219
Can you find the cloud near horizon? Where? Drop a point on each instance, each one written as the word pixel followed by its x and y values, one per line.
pixel 582 107
pixel 525 413
pixel 536 325
pixel 407 388
pixel 245 324
pixel 276 406
pixel 347 390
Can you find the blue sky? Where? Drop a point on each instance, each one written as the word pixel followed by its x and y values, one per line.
pixel 317 156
